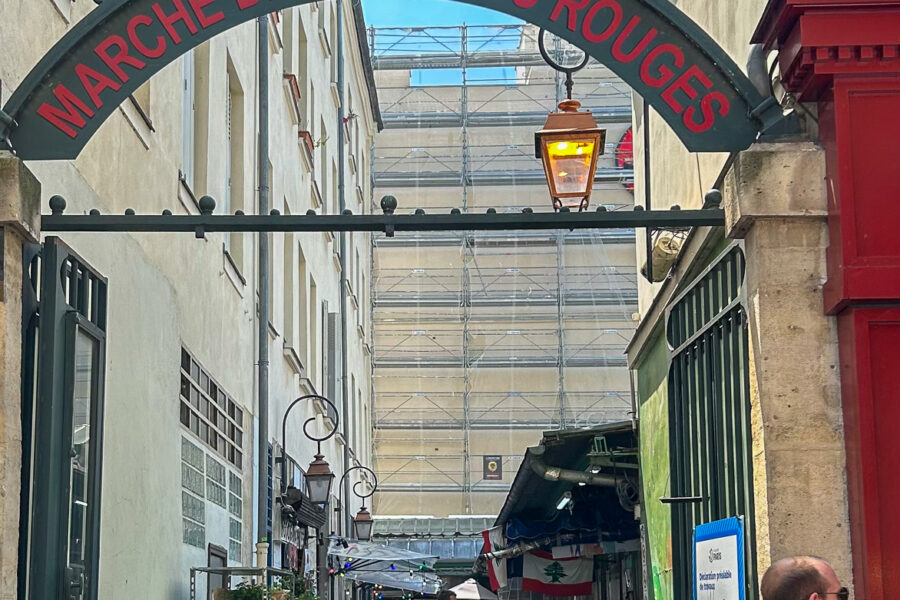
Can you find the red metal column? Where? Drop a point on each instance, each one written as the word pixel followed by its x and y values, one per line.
pixel 845 55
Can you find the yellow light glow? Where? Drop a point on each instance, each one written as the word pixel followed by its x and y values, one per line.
pixel 563 174
pixel 580 150
pixel 562 145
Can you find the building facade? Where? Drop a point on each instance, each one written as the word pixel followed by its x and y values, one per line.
pixel 483 340
pixel 758 353
pixel 164 359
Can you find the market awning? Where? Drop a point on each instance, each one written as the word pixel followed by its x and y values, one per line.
pixel 532 509
pixel 374 553
pixel 384 565
pixel 424 583
pixel 412 527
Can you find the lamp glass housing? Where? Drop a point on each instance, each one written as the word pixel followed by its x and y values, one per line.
pixel 319 480
pixel 362 525
pixel 569 146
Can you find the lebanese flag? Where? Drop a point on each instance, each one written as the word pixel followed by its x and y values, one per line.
pixel 557 577
pixel 493 541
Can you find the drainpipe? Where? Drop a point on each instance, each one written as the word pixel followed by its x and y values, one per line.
pixel 262 543
pixel 342 203
pixel 551 473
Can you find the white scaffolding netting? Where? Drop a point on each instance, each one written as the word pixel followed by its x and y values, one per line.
pixel 484 340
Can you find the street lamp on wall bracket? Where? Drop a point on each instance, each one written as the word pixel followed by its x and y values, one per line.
pixel 569 144
pixel 362 523
pixel 319 477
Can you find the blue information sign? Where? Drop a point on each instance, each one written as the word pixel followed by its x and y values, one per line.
pixel 719 560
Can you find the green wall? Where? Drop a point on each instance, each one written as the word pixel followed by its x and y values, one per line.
pixel 654 432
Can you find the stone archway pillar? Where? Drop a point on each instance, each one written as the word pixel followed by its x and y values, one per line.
pixel 844 55
pixel 20 197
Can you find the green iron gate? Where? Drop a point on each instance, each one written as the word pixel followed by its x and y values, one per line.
pixel 709 413
pixel 64 354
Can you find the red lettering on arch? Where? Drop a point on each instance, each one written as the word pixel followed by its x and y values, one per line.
pixel 206 20
pixel 168 21
pixel 138 44
pixel 115 61
pixel 525 3
pixel 664 74
pixel 708 110
pixel 607 33
pixel 627 57
pixel 95 82
pixel 572 7
pixel 71 111
pixel 683 84
pixel 245 4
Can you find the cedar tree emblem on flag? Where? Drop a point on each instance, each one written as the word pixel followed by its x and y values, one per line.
pixel 555 572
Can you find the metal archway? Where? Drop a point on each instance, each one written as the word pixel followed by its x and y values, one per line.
pixel 661 53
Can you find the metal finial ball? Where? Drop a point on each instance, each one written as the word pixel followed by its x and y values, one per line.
pixel 129 211
pixel 455 211
pixel 675 207
pixel 528 210
pixel 347 212
pixel 167 213
pixel 310 213
pixel 420 211
pixel 601 208
pixel 57 205
pixel 564 209
pixel 207 205
pixel 275 212
pixel 389 204
pixel 713 198
pixel 239 213
pixel 639 207
pixel 94 212
pixel 492 211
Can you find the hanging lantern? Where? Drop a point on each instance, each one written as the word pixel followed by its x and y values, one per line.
pixel 319 479
pixel 569 145
pixel 362 525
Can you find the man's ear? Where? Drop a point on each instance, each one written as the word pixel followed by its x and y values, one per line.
pixel 815 596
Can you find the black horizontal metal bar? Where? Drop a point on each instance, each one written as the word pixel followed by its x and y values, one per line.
pixel 386 223
pixel 683 500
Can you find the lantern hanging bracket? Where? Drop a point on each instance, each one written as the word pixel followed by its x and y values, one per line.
pixel 567 71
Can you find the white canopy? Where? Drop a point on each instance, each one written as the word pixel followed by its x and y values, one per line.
pixel 472 590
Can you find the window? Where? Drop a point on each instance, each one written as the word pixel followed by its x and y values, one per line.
pixel 217 559
pixel 303 326
pixel 208 486
pixel 193 508
pixel 303 75
pixel 271 298
pixel 289 297
pixel 288 37
pixel 195 117
pixel 210 413
pixel 313 338
pixel 234 162
pixel 187 118
pixel 323 163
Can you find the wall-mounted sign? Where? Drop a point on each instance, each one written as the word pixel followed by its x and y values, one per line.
pixel 669 60
pixel 719 560
pixel 493 468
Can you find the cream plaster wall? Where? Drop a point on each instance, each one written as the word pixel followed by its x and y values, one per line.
pixel 172 290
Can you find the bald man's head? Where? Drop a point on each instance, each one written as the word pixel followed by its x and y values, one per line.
pixel 797 578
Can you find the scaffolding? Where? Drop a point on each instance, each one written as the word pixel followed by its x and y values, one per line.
pixel 482 340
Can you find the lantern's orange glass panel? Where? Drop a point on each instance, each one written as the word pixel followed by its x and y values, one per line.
pixel 570 167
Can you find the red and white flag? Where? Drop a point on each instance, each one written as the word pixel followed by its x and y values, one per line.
pixel 494 541
pixel 557 576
